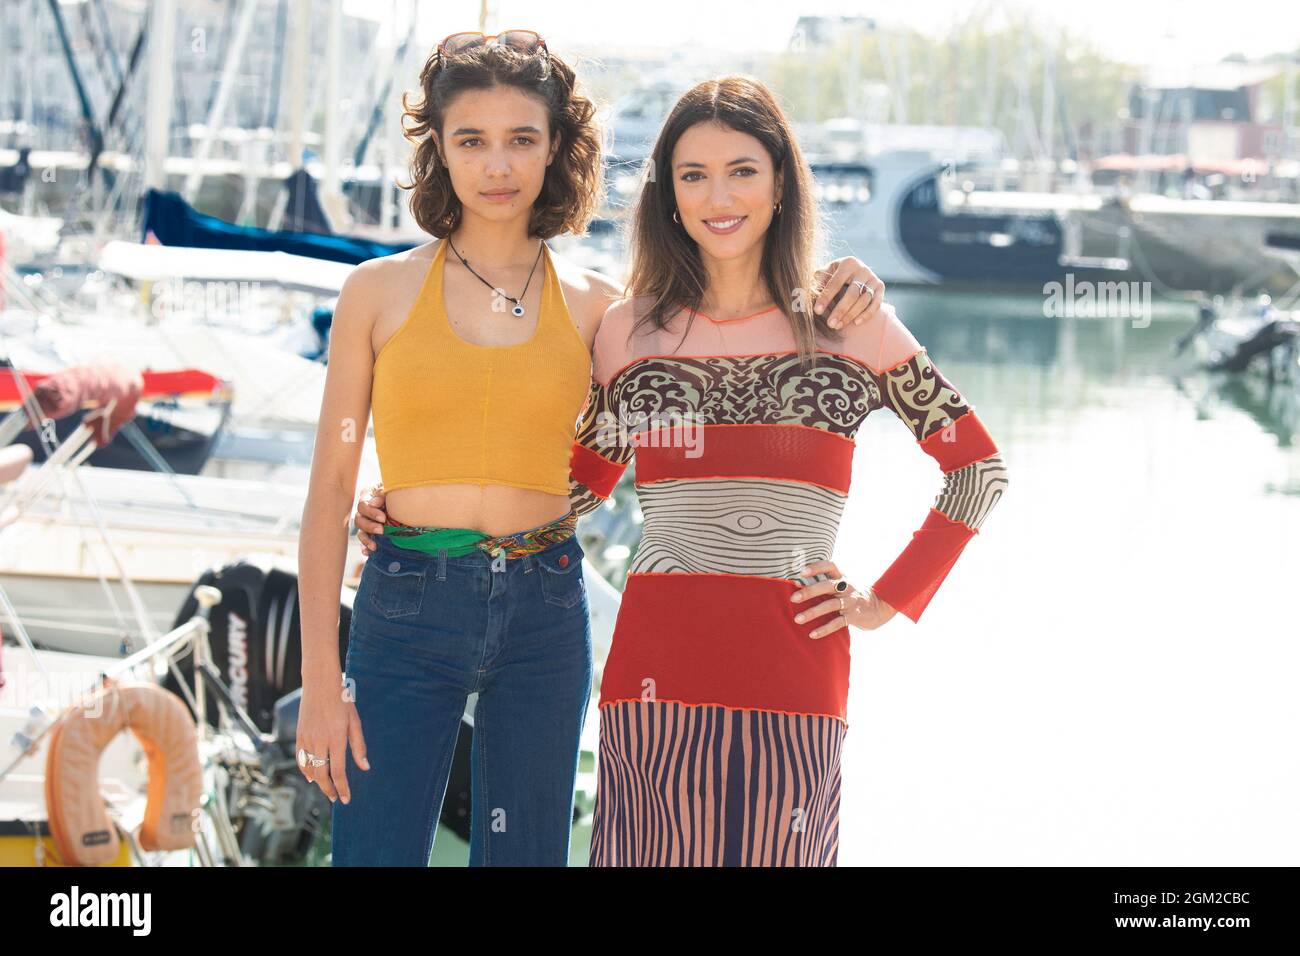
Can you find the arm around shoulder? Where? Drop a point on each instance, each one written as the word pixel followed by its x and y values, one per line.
pixel 601 448
pixel 601 294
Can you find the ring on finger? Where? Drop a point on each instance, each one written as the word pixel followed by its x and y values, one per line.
pixel 305 758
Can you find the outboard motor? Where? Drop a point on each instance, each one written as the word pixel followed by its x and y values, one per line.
pixel 256 674
pixel 256 644
pixel 255 635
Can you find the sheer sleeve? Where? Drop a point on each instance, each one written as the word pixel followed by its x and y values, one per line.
pixel 601 447
pixel 947 429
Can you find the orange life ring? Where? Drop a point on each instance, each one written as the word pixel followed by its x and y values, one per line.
pixel 78 818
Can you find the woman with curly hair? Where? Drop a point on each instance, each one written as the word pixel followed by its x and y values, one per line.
pixel 474 353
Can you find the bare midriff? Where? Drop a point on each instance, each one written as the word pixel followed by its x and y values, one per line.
pixel 493 509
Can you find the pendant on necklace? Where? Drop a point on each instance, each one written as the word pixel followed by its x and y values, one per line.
pixel 518 309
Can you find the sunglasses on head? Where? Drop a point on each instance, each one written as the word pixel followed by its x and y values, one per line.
pixel 521 41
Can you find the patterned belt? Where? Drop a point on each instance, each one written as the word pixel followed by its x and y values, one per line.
pixel 511 545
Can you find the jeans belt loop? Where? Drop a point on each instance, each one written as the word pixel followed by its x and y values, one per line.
pixel 442 564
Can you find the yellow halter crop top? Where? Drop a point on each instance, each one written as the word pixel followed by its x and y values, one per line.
pixel 448 411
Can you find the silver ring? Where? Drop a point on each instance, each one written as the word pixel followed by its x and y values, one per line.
pixel 841 605
pixel 305 758
pixel 841 585
pixel 862 286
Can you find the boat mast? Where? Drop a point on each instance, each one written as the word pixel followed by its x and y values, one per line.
pixel 243 27
pixel 299 40
pixel 162 29
pixel 389 109
pixel 331 196
pixel 1288 144
pixel 297 66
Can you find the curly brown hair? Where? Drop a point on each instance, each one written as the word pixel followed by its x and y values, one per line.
pixel 574 182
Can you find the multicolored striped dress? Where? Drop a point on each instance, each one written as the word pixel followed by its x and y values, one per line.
pixel 721 722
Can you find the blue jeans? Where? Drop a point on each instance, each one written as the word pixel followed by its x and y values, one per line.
pixel 427 630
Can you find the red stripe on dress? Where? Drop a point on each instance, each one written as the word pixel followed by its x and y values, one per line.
pixel 960 443
pixel 912 580
pixel 594 470
pixel 790 452
pixel 724 639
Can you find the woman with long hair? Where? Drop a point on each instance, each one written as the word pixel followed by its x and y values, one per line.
pixel 474 354
pixel 723 703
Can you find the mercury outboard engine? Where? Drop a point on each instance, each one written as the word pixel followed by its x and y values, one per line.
pixel 256 678
pixel 256 675
pixel 256 635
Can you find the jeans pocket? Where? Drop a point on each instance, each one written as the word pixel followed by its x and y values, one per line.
pixel 396 586
pixel 561 572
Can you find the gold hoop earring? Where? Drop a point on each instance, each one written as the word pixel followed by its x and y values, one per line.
pixel 676 218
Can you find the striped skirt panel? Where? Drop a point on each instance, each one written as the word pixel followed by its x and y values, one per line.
pixel 705 785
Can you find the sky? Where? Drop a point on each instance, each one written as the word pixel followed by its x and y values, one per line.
pixel 1148 32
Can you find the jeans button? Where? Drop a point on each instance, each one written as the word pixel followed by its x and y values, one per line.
pixel 564 561
pixel 395 566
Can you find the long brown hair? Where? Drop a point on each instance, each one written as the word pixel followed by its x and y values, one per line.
pixel 666 266
pixel 574 181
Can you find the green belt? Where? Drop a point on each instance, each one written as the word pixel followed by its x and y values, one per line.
pixel 457 541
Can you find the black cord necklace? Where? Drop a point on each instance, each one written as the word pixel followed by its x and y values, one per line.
pixel 518 310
